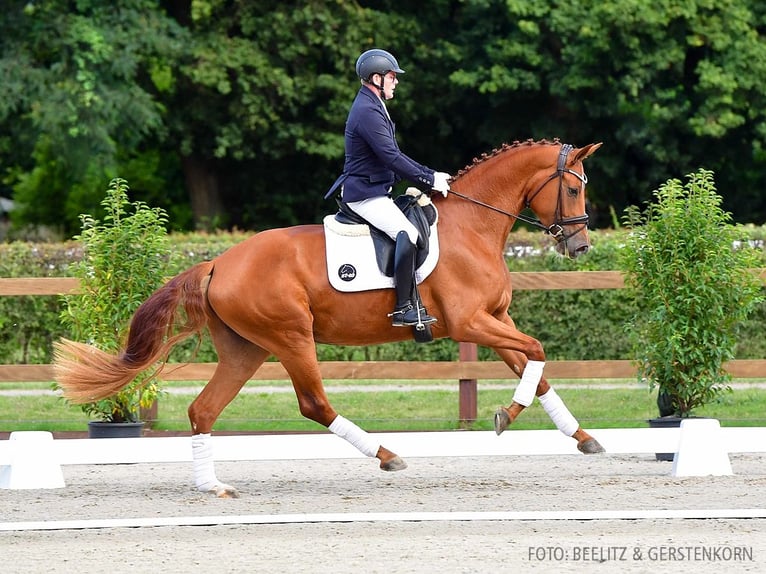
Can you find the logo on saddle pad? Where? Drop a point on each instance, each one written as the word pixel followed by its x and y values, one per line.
pixel 357 262
pixel 347 272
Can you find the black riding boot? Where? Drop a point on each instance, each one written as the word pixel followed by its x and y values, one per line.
pixel 406 313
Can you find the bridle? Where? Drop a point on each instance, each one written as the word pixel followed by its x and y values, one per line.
pixel 556 229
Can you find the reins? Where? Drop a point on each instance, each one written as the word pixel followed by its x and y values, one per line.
pixel 519 216
pixel 556 229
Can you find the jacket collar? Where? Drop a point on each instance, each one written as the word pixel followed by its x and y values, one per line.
pixel 379 102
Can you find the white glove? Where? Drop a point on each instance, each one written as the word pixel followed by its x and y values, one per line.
pixel 441 182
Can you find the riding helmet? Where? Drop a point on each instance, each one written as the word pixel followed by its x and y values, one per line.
pixel 376 62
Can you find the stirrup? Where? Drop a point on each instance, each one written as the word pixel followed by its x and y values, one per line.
pixel 410 316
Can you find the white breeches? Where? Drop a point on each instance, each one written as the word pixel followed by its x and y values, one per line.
pixel 382 212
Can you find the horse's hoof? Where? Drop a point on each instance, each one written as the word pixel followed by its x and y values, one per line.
pixel 502 420
pixel 225 491
pixel 393 464
pixel 590 446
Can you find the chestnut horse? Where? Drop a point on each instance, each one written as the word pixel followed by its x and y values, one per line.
pixel 270 295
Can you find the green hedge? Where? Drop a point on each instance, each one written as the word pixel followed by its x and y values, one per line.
pixel 574 325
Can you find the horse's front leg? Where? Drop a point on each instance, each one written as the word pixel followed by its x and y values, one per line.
pixel 526 357
pixel 564 420
pixel 534 384
pixel 530 372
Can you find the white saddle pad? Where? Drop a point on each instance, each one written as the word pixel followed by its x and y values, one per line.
pixel 351 262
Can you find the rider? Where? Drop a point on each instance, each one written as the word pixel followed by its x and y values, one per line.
pixel 373 165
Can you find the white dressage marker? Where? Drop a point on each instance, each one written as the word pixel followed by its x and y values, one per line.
pixel 30 462
pixel 701 451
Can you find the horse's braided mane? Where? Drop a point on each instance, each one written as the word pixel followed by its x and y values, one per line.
pixel 485 156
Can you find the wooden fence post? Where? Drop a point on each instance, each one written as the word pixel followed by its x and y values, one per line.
pixel 468 387
pixel 149 415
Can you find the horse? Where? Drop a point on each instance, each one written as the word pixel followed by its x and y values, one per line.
pixel 270 296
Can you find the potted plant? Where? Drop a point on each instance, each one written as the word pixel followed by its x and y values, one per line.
pixel 688 269
pixel 124 259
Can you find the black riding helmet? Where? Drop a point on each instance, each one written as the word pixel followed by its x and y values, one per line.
pixel 376 61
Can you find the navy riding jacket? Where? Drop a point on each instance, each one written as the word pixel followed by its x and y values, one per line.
pixel 374 161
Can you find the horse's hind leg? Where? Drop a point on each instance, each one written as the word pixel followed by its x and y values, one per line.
pixel 238 359
pixel 549 399
pixel 303 369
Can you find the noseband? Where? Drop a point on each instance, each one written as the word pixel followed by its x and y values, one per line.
pixel 556 229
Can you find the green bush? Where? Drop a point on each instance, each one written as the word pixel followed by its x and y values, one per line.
pixel 124 260
pixel 691 291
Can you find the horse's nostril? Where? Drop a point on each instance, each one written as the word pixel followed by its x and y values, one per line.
pixel 582 250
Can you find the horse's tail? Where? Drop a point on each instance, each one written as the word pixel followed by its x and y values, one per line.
pixel 87 374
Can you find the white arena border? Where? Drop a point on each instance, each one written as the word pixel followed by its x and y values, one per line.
pixel 375 517
pixel 407 444
pixel 321 446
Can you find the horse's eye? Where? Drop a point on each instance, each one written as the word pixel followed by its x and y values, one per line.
pixel 573 191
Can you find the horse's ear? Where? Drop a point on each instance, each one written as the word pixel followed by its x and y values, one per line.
pixel 584 152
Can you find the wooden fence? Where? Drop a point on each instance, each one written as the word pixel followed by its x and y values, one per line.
pixel 467 371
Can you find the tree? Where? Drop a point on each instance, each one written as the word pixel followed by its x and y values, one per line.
pixel 667 86
pixel 671 86
pixel 78 98
pixel 260 104
pixel 232 113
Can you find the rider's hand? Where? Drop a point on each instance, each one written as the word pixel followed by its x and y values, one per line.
pixel 441 182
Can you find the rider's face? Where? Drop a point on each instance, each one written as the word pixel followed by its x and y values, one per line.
pixel 389 84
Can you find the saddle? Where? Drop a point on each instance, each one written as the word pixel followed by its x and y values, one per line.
pixel 361 257
pixel 421 216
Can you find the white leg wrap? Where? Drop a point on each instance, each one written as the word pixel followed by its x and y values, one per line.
pixel 530 378
pixel 344 428
pixel 558 412
pixel 204 467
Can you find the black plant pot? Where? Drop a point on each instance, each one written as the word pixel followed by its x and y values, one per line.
pixel 100 429
pixel 662 423
pixel 665 404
